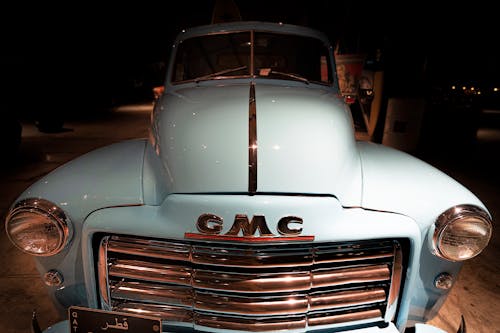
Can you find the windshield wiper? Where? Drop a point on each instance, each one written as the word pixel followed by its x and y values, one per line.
pixel 225 71
pixel 290 75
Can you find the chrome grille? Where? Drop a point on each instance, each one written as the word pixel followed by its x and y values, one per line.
pixel 251 287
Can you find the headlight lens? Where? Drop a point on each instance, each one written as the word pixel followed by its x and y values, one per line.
pixel 462 232
pixel 38 227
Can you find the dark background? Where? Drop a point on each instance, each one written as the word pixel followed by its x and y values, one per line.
pixel 111 53
pixel 77 57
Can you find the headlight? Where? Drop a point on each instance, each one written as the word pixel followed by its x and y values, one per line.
pixel 461 232
pixel 38 227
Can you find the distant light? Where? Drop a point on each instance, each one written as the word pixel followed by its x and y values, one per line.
pixel 472 88
pixel 453 87
pixel 478 92
pixel 464 87
pixel 349 99
pixel 495 89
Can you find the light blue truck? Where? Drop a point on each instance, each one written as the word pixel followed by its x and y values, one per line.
pixel 251 207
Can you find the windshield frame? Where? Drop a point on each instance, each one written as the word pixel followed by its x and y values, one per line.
pixel 330 66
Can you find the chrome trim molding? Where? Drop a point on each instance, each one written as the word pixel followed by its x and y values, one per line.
pixel 397 275
pixel 245 239
pixel 102 274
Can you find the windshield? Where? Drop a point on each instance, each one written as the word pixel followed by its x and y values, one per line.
pixel 275 56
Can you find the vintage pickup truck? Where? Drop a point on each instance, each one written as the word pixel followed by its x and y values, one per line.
pixel 251 207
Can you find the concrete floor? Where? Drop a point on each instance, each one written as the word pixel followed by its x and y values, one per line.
pixel 475 295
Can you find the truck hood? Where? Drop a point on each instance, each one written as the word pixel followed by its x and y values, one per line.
pixel 305 141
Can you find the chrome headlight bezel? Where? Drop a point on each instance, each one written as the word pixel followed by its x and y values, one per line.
pixel 44 216
pixel 443 236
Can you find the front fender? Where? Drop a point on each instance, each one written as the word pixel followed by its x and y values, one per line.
pixel 397 182
pixel 106 177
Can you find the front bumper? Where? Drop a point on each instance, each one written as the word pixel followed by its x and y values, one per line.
pixel 63 327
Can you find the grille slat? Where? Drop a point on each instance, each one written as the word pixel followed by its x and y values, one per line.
pixel 147 292
pixel 362 274
pixel 347 298
pixel 252 283
pixel 280 282
pixel 276 305
pixel 149 271
pixel 251 258
pixel 165 312
pixel 249 287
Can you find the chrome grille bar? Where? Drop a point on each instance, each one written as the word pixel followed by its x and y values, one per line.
pixel 347 298
pixel 335 277
pixel 150 271
pixel 244 305
pixel 250 282
pixel 219 302
pixel 251 287
pixel 148 292
pixel 165 312
pixel 247 256
pixel 152 249
pixel 249 324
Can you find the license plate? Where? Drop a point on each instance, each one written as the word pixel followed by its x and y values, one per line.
pixel 85 320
